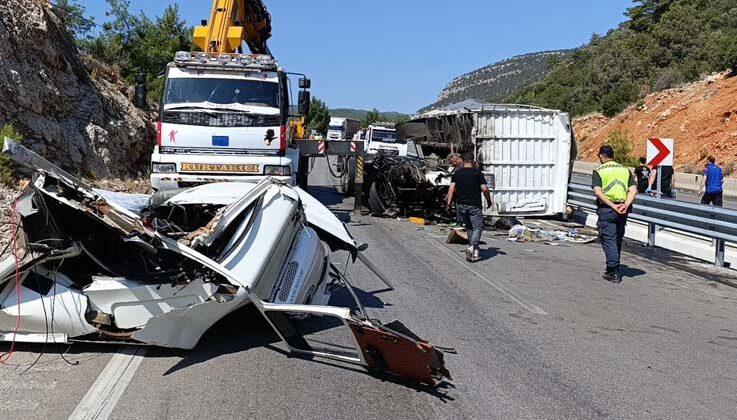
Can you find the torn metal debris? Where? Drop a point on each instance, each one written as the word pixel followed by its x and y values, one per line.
pixel 161 270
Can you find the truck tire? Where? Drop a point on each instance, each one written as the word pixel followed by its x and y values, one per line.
pixel 376 203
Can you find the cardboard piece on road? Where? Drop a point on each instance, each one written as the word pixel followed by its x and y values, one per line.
pixel 458 236
pixel 660 152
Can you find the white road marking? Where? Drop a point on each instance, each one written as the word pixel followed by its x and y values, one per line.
pixel 511 295
pixel 104 394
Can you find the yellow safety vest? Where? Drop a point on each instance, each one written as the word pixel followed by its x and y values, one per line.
pixel 614 180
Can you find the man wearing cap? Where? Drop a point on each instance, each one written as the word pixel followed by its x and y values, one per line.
pixel 615 190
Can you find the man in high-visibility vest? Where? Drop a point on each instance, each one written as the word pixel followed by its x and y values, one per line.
pixel 615 190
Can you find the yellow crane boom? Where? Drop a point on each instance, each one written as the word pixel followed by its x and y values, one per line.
pixel 231 23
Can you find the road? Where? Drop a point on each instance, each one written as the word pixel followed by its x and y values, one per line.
pixel 683 195
pixel 537 333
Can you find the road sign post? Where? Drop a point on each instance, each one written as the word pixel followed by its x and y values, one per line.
pixel 660 153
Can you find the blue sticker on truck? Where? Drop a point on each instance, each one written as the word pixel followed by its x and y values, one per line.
pixel 221 141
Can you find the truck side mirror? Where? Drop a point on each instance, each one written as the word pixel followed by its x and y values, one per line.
pixel 303 108
pixel 141 98
pixel 305 83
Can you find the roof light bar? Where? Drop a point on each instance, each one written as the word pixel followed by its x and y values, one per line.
pixel 248 60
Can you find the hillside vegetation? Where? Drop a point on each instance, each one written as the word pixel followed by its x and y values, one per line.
pixel 497 82
pixel 361 114
pixel 662 44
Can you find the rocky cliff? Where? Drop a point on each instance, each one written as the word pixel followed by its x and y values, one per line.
pixel 497 82
pixel 48 93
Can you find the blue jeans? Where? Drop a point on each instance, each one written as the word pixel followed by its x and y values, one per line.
pixel 473 219
pixel 611 233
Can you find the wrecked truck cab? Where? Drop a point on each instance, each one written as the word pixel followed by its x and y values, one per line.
pixel 112 268
pixel 158 273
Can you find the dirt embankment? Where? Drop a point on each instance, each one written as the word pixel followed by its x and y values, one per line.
pixel 701 117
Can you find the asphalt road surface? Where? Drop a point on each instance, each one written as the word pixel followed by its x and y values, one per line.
pixel 683 195
pixel 537 333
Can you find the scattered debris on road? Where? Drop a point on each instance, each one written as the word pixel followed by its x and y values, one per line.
pixel 522 233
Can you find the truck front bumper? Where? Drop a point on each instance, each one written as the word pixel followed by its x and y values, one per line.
pixel 167 182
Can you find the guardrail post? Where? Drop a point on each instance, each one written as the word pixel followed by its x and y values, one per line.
pixel 651 229
pixel 358 194
pixel 719 257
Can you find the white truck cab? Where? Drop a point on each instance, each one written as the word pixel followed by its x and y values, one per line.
pixel 342 128
pixel 380 138
pixel 223 118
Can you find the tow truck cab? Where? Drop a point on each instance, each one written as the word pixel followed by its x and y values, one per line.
pixel 224 117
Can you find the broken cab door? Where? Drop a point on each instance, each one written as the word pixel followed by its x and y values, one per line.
pixel 333 332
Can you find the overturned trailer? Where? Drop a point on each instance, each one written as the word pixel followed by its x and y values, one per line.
pixel 96 266
pixel 526 153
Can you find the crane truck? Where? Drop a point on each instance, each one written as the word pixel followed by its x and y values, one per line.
pixel 225 113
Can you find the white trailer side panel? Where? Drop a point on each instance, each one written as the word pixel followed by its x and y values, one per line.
pixel 526 152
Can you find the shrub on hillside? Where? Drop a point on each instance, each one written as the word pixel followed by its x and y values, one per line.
pixel 621 141
pixel 7 166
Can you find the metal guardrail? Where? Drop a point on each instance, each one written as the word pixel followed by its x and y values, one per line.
pixel 714 223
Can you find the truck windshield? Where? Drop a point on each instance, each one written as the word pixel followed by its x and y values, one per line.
pixel 335 128
pixel 384 136
pixel 222 92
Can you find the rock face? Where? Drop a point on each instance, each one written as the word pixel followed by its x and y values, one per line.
pixel 497 82
pixel 84 124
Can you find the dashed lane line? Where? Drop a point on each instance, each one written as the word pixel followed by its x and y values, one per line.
pixel 511 295
pixel 103 395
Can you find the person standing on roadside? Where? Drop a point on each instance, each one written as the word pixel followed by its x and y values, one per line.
pixel 466 187
pixel 642 176
pixel 712 186
pixel 666 181
pixel 615 190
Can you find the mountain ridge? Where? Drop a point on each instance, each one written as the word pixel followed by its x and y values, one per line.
pixel 498 81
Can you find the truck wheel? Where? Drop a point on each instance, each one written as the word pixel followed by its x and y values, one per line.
pixel 376 203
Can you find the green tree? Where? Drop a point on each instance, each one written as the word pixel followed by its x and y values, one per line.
pixel 72 14
pixel 137 43
pixel 621 141
pixel 319 117
pixel 373 116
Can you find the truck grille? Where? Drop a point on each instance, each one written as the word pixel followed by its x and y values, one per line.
pixel 218 119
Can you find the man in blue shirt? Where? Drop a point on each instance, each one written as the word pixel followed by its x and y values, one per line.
pixel 711 187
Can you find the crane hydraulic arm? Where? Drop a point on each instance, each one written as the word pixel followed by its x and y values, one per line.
pixel 232 22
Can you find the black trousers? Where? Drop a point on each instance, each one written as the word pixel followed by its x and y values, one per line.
pixel 611 234
pixel 714 199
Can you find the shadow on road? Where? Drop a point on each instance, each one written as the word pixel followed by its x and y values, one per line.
pixel 489 253
pixel 627 271
pixel 439 391
pixel 329 196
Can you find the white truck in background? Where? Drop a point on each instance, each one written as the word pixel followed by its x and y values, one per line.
pixel 383 138
pixel 343 128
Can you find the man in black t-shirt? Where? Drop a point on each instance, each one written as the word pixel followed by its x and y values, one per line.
pixel 466 186
pixel 642 174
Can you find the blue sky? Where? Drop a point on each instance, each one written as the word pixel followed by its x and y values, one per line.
pixel 397 55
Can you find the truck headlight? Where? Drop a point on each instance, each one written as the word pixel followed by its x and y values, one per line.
pixel 164 168
pixel 273 170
